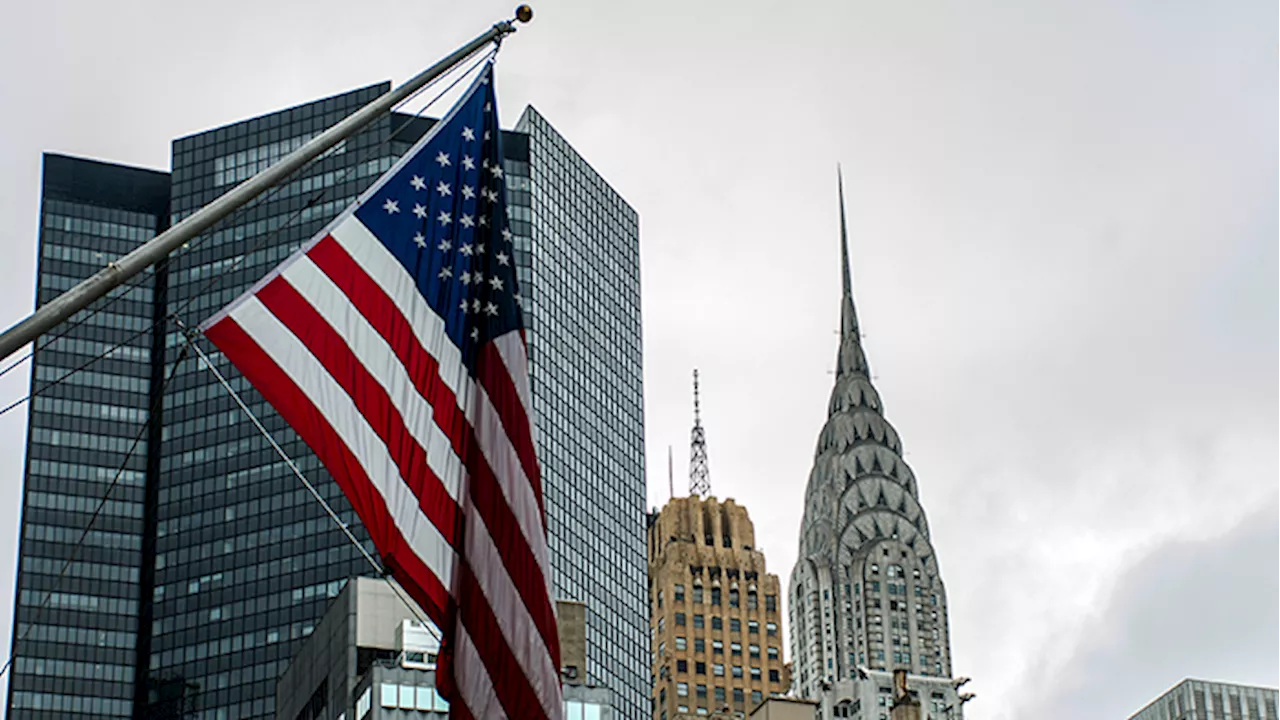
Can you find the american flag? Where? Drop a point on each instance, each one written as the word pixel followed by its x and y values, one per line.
pixel 393 344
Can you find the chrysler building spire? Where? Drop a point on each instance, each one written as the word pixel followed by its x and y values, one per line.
pixel 865 594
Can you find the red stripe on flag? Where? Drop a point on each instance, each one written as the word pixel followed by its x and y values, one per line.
pixel 277 388
pixel 369 397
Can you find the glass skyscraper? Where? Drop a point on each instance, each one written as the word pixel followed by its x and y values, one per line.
pixel 210 563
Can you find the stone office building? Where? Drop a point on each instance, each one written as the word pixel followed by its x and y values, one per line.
pixel 714 612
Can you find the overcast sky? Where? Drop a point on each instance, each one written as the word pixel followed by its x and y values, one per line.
pixel 1063 229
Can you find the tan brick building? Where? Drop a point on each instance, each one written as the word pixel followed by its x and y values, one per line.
pixel 715 620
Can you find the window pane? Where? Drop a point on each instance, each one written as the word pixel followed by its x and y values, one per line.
pixel 390 696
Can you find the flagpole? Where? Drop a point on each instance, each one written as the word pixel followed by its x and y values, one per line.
pixel 158 247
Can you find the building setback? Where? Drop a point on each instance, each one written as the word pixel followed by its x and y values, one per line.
pixel 866 592
pixel 210 564
pixel 1207 700
pixel 714 616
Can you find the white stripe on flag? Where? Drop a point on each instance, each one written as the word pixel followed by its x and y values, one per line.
pixel 472 679
pixel 517 625
pixel 377 357
pixel 284 348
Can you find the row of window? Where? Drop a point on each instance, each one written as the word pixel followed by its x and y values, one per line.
pixel 90 570
pixel 91 706
pixel 77 636
pixel 87 473
pixel 700 691
pixel 102 228
pixel 88 441
pixel 412 697
pixel 73 669
pixel 102 411
pixel 717 648
pixel 717 623
pixel 83 503
pixel 72 536
pixel 770 601
pixel 93 348
pixel 75 601
pixel 91 378
pixel 718 670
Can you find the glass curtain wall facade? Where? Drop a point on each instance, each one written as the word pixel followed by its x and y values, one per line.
pixel 74 643
pixel 224 562
pixel 246 560
pixel 585 367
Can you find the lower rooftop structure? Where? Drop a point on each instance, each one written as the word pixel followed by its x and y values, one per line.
pixel 370 658
pixel 1194 699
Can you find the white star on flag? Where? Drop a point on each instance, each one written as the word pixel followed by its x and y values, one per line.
pixel 468 134
pixel 444 244
pixel 445 218
pixel 419 240
pixel 442 158
pixel 420 210
pixel 465 249
pixel 465 278
pixel 445 272
pixel 444 189
pixel 467 192
pixel 506 234
pixel 418 183
pixel 502 258
pixel 467 221
pixel 495 282
pixel 491 309
pixel 391 206
pixel 468 163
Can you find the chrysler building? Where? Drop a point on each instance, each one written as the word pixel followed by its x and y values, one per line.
pixel 866 597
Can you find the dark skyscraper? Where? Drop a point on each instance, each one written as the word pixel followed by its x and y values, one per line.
pixel 211 562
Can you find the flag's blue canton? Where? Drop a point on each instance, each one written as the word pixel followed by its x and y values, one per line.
pixel 443 214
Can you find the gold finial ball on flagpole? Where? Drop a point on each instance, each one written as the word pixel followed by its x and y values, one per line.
pixel 524 13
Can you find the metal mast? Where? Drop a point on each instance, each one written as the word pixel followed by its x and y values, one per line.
pixel 699 482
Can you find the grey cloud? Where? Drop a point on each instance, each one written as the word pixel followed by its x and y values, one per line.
pixel 1205 609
